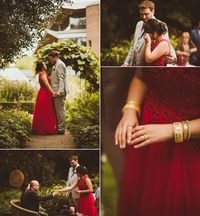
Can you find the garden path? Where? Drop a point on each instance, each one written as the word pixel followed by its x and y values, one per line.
pixel 51 141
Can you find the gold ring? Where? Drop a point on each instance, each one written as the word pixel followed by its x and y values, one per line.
pixel 145 137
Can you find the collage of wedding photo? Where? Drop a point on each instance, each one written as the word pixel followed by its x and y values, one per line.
pixel 99 108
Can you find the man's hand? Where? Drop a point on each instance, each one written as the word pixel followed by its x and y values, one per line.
pixel 56 94
pixel 78 191
pixel 55 193
pixel 170 59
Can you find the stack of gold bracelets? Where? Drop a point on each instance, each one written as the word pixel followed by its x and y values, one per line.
pixel 132 105
pixel 182 131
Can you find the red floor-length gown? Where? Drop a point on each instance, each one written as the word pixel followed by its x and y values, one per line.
pixel 163 179
pixel 44 117
pixel 86 200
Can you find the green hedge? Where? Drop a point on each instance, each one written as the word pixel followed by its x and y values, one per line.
pixel 15 128
pixel 83 120
pixel 16 91
pixel 116 55
pixel 24 106
pixel 6 196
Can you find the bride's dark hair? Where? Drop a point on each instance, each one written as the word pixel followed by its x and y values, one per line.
pixel 39 67
pixel 154 25
pixel 82 170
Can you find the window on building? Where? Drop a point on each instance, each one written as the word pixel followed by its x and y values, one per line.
pixel 80 40
pixel 77 22
pixel 90 43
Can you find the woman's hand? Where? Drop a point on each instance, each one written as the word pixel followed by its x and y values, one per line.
pixel 125 128
pixel 193 50
pixel 147 38
pixel 153 133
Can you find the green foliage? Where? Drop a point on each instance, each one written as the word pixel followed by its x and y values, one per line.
pixel 83 120
pixel 116 54
pixel 55 206
pixel 26 62
pixel 109 197
pixel 24 106
pixel 79 57
pixel 95 181
pixel 33 164
pixel 15 91
pixel 22 23
pixel 6 196
pixel 15 128
pixel 174 41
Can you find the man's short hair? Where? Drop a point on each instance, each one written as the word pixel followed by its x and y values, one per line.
pixel 53 54
pixel 147 4
pixel 73 157
pixel 33 182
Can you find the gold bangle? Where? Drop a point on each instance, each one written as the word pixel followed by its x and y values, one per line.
pixel 178 132
pixel 189 130
pixel 185 130
pixel 132 105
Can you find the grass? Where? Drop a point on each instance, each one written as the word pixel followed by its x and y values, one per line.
pixel 109 195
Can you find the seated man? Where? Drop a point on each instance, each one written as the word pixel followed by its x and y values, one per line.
pixel 31 200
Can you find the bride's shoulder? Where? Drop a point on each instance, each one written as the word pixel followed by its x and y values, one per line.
pixel 41 73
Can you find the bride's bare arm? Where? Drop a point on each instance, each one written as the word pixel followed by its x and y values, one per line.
pixel 195 127
pixel 129 119
pixel 160 50
pixel 69 188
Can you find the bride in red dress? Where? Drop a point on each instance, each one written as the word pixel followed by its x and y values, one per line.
pixel 157 48
pixel 158 132
pixel 44 117
pixel 86 205
pixel 160 176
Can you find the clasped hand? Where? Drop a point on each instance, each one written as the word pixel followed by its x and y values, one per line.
pixel 132 134
pixel 55 193
pixel 56 94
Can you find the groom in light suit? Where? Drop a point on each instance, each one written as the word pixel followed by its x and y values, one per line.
pixel 59 85
pixel 135 55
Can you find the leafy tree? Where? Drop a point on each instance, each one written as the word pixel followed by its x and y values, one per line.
pixel 21 23
pixel 81 58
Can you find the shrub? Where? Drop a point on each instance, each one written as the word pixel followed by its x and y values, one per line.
pixel 83 120
pixel 15 128
pixel 6 196
pixel 95 181
pixel 55 206
pixel 115 55
pixel 24 106
pixel 52 207
pixel 16 91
